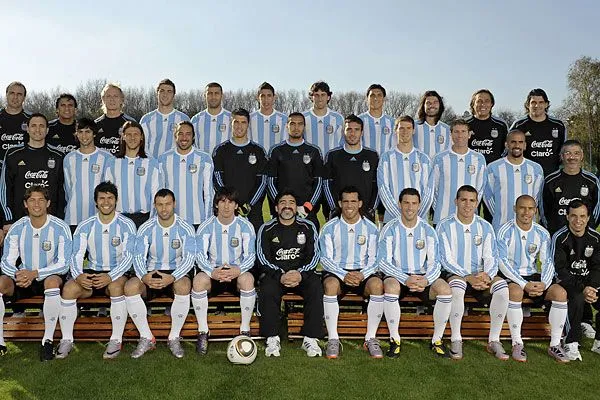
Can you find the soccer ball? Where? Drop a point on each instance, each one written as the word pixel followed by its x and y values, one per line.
pixel 241 350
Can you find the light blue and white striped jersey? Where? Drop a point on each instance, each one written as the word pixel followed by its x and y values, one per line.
pixel 109 246
pixel 159 130
pixel 505 182
pixel 467 249
pixel 378 133
pixel 83 172
pixel 451 171
pixel 519 250
pixel 138 179
pixel 349 247
pixel 397 171
pixel 47 249
pixel 326 132
pixel 403 251
pixel 165 249
pixel 218 244
pixel 268 130
pixel 190 177
pixel 432 139
pixel 211 130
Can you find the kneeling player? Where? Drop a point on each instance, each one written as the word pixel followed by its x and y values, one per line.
pixel 348 255
pixel 468 252
pixel 165 253
pixel 408 256
pixel 521 242
pixel 36 250
pixel 225 253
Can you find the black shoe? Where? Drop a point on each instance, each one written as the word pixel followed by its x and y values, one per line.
pixel 202 343
pixel 394 351
pixel 439 349
pixel 47 351
pixel 3 350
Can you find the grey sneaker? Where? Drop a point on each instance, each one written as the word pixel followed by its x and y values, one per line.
pixel 558 353
pixel 518 352
pixel 143 346
pixel 64 348
pixel 175 347
pixel 202 343
pixel 373 347
pixel 497 350
pixel 333 348
pixel 456 350
pixel 113 348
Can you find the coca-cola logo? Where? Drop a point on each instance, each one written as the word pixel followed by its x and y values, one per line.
pixel 482 142
pixel 287 254
pixel 544 144
pixel 14 137
pixel 109 140
pixel 41 174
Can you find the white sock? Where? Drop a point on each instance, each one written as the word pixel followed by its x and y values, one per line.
pixel 139 314
pixel 68 315
pixel 118 317
pixel 457 308
pixel 498 308
pixel 247 301
pixel 179 312
pixel 2 311
pixel 200 303
pixel 374 314
pixel 441 313
pixel 557 318
pixel 391 310
pixel 514 317
pixel 51 311
pixel 331 310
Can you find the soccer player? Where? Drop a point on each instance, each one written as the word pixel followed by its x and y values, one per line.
pixel 323 126
pixel 108 239
pixel 288 252
pixel 576 249
pixel 135 175
pixel 165 252
pixel 267 125
pixel 544 134
pixel 402 167
pixel 225 253
pixel 242 164
pixel 488 133
pixel 159 125
pixel 348 246
pixel 212 126
pixel 432 136
pixel 61 131
pixel 188 172
pixel 521 244
pixel 469 255
pixel 510 177
pixel 111 122
pixel 36 251
pixel 13 119
pixel 378 127
pixel 454 168
pixel 408 256
pixel 297 165
pixel 84 169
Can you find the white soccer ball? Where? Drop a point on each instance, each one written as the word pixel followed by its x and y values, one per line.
pixel 241 350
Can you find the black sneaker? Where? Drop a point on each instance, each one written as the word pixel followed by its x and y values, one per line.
pixel 394 351
pixel 439 349
pixel 3 350
pixel 47 351
pixel 202 343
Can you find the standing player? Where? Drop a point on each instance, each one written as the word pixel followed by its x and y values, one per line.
pixel 432 136
pixel 212 126
pixel 226 252
pixel 61 131
pixel 159 125
pixel 13 119
pixel 469 255
pixel 488 133
pixel 323 126
pixel 544 134
pixel 454 168
pixel 348 246
pixel 521 243
pixel 509 178
pixel 111 122
pixel 409 259
pixel 36 251
pixel 108 239
pixel 267 125
pixel 378 127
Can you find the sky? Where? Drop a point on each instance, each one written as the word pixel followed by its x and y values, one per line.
pixel 455 48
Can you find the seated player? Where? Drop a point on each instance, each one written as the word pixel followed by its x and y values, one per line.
pixel 348 255
pixel 108 239
pixel 36 250
pixel 225 246
pixel 521 243
pixel 469 255
pixel 407 254
pixel 165 253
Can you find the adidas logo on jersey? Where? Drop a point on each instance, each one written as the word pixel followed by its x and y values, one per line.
pixel 572 253
pixel 37 235
pixel 105 232
pixel 353 159
pixel 275 240
pixel 558 190
pixel 527 133
pixel 56 136
pixel 21 162
pixel 239 152
pixel 166 234
pixel 295 151
pixel 100 130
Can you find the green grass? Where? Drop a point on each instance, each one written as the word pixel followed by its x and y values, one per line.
pixel 417 374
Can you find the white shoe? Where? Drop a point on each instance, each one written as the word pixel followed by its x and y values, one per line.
pixel 596 346
pixel 311 346
pixel 273 346
pixel 572 351
pixel 587 330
